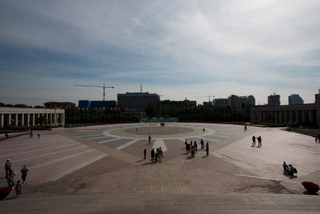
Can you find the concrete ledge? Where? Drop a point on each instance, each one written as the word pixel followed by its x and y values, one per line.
pixel 11 135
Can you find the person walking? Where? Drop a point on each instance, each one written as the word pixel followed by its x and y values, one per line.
pixel 18 189
pixel 188 148
pixel 259 141
pixel 149 138
pixel 186 145
pixel 24 173
pixel 202 144
pixel 7 167
pixel 10 179
pixel 253 141
pixel 159 154
pixel 152 154
pixel 192 152
pixel 145 153
pixel 207 149
pixel 156 155
pixel 245 128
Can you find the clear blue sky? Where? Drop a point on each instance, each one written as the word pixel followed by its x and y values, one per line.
pixel 176 48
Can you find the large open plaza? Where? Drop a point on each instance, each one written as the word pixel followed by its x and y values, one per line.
pixel 98 169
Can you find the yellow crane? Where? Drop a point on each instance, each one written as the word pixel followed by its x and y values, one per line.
pixel 98 86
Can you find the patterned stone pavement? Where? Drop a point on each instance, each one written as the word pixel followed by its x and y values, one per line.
pixel 109 160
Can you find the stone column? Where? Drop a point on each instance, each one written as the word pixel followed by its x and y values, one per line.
pixel 310 116
pixel 303 114
pixel 22 119
pixel 32 118
pixel 259 115
pixel 285 116
pixel 1 120
pixel 290 116
pixel 62 119
pixel 297 116
pixel 54 118
pixel 46 117
pixel 16 119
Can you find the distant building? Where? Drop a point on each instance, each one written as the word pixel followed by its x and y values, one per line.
pixel 220 102
pixel 138 101
pixel 190 102
pixel 288 114
pixel 295 99
pixel 251 100
pixel 87 104
pixel 274 100
pixel 241 102
pixel 207 103
pixel 62 105
pixel 29 116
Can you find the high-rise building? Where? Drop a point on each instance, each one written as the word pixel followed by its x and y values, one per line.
pixel 295 99
pixel 138 101
pixel 220 102
pixel 190 102
pixel 274 100
pixel 241 102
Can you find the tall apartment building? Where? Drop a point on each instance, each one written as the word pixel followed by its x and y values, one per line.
pixel 220 102
pixel 295 99
pixel 138 101
pixel 240 102
pixel 274 100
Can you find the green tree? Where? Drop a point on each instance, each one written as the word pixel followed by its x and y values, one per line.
pixel 150 110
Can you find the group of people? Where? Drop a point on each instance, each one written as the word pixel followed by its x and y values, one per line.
pixel 193 147
pixel 10 177
pixel 259 139
pixel 155 155
pixel 288 170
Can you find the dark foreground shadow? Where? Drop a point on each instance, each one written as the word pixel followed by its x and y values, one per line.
pixel 310 193
pixel 9 198
pixel 151 163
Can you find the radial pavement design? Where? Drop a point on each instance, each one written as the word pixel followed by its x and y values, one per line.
pixel 109 159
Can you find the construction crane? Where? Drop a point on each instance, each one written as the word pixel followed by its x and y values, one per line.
pixel 98 86
pixel 206 96
pixel 274 92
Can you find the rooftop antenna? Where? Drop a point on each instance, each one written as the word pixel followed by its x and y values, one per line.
pixel 140 88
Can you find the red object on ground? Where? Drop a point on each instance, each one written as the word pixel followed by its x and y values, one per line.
pixel 4 192
pixel 311 187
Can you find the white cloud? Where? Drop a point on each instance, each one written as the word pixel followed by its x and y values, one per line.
pixel 177 48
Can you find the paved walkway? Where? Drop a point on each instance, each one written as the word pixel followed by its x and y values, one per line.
pixel 97 169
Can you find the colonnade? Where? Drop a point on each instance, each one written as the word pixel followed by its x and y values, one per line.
pixel 29 116
pixel 305 113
